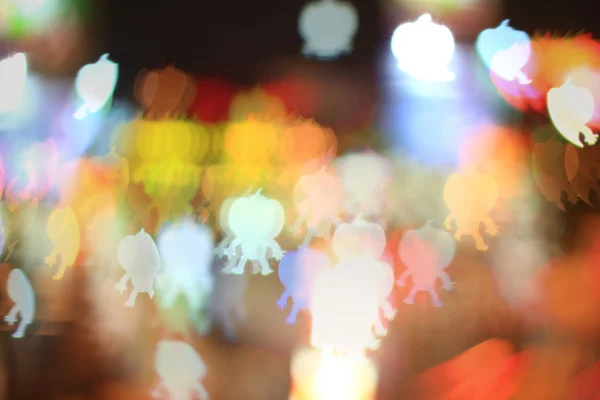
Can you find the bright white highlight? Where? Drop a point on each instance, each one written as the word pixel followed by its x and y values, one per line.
pixel 13 78
pixel 95 84
pixel 359 245
pixel 505 51
pixel 30 6
pixel 328 28
pixel 571 108
pixel 424 49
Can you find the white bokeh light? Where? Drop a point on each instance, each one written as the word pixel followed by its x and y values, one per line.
pixel 424 49
pixel 21 293
pixel 571 107
pixel 13 77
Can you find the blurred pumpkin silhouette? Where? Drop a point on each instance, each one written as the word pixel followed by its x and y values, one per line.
pixel 165 92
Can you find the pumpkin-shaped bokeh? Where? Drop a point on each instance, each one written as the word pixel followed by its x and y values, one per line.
pixel 551 62
pixel 251 141
pixel 179 140
pixel 165 91
pixel 304 141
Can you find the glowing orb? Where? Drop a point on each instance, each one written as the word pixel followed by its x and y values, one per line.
pixel 571 108
pixel 424 49
pixel 426 252
pixel 505 51
pixel 13 77
pixel 95 84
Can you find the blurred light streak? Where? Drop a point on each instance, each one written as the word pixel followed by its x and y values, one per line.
pixel 21 293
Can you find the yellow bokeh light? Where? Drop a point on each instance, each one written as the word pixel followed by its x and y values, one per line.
pixel 251 141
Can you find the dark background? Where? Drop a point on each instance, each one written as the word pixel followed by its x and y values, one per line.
pixel 235 39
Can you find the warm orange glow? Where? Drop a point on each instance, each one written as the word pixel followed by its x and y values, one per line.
pixel 487 370
pixel 471 197
pixel 251 141
pixel 318 376
pixel 302 142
